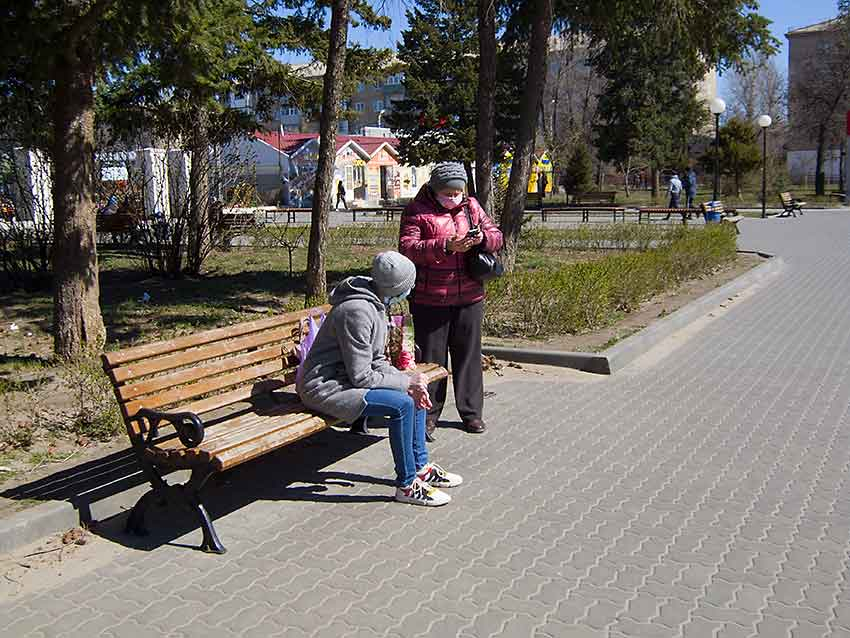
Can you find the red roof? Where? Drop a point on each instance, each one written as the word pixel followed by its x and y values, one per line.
pixel 291 142
pixel 287 143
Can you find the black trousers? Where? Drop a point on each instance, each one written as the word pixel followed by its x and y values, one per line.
pixel 453 330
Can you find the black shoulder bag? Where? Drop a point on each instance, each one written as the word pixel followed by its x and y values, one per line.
pixel 481 265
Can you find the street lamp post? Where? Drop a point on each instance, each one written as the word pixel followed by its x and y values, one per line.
pixel 764 121
pixel 380 115
pixel 717 107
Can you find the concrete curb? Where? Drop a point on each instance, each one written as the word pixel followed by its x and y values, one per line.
pixel 626 351
pixel 629 349
pixel 34 523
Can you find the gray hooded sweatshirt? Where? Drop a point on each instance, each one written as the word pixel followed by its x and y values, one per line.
pixel 347 358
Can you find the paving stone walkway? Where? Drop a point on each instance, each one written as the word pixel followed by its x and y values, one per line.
pixel 697 494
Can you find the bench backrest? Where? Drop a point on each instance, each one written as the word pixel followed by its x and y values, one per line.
pixel 207 370
pixel 604 197
pixel 786 198
pixel 713 207
pixel 115 223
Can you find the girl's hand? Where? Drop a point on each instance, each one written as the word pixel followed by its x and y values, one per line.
pixel 420 396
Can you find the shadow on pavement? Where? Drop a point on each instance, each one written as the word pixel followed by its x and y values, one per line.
pixel 268 478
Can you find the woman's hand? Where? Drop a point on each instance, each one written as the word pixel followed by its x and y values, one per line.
pixel 462 244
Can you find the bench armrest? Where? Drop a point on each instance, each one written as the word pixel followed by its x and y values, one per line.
pixel 188 425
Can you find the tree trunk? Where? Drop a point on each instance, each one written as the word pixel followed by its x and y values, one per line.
pixel 486 130
pixel 626 173
pixel 317 285
pixel 77 323
pixel 535 84
pixel 199 197
pixel 470 179
pixel 820 180
pixel 655 176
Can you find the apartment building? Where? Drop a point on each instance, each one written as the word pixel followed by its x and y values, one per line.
pixel 809 48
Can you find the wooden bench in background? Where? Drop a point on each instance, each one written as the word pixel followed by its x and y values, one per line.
pixel 790 206
pixel 587 205
pixel 210 401
pixel 727 216
pixel 601 198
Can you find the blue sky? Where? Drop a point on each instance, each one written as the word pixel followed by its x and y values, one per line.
pixel 785 15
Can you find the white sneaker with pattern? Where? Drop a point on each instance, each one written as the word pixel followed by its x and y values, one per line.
pixel 435 476
pixel 420 493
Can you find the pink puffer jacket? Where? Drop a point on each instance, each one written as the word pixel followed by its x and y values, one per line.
pixel 441 278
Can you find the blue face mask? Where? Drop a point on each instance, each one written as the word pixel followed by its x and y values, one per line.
pixel 392 301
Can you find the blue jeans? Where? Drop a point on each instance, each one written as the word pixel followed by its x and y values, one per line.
pixel 407 431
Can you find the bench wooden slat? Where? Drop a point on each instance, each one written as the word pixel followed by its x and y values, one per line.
pixel 183 393
pixel 258 447
pixel 232 427
pixel 211 351
pixel 133 390
pixel 249 432
pixel 242 431
pixel 114 359
pixel 276 382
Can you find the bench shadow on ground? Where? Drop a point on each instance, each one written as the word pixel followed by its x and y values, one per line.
pixel 269 478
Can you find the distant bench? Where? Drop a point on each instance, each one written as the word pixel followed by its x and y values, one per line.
pixel 727 215
pixel 790 206
pixel 587 205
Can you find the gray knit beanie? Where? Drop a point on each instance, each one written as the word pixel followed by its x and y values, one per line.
pixel 448 175
pixel 393 274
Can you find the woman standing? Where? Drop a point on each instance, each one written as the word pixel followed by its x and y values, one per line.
pixel 438 227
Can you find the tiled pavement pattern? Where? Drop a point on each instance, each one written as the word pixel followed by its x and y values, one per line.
pixel 703 494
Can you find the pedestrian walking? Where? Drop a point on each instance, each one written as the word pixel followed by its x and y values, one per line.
pixel 340 195
pixel 690 186
pixel 542 183
pixel 674 190
pixel 346 375
pixel 438 228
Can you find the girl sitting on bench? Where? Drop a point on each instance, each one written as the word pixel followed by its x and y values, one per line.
pixel 346 375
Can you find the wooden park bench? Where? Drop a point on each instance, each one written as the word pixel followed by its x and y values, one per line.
pixel 236 222
pixel 790 206
pixel 585 212
pixel 727 216
pixel 210 401
pixel 587 205
pixel 120 225
pixel 655 210
pixel 600 198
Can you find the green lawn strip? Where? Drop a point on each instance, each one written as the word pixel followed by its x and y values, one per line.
pixel 583 296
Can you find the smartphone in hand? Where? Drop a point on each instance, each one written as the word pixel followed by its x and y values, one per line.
pixel 474 232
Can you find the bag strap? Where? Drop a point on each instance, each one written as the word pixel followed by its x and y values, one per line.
pixel 468 214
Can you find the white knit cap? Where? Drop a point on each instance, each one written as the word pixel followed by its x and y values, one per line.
pixel 393 274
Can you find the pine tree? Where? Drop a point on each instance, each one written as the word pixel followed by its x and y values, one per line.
pixel 578 173
pixel 740 153
pixel 437 119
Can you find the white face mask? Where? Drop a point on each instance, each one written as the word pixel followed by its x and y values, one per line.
pixel 450 201
pixel 392 301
